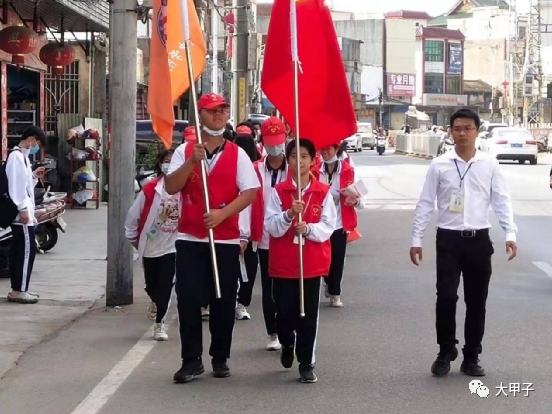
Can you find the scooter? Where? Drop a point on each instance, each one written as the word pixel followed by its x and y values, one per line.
pixel 446 146
pixel 48 215
pixel 380 145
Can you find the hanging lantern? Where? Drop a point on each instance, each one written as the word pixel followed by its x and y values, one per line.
pixel 18 41
pixel 57 56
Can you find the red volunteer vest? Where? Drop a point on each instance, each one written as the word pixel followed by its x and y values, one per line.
pixel 221 183
pixel 283 260
pixel 149 193
pixel 257 210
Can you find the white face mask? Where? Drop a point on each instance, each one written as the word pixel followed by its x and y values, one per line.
pixel 214 133
pixel 165 167
pixel 331 160
pixel 275 151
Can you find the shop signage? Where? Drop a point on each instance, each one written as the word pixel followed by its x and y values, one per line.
pixel 433 99
pixel 401 84
pixel 455 59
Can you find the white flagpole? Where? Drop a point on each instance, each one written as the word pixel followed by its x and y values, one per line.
pixel 295 59
pixel 193 97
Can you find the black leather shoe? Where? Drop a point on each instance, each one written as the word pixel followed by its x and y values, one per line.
pixel 441 366
pixel 191 368
pixel 220 369
pixel 471 367
pixel 306 371
pixel 287 356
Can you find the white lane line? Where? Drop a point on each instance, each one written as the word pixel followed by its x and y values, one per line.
pixel 101 394
pixel 545 267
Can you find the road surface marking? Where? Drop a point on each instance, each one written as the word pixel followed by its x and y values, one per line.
pixel 545 267
pixel 101 394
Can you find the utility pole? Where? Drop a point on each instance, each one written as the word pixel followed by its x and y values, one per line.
pixel 122 91
pixel 380 98
pixel 241 61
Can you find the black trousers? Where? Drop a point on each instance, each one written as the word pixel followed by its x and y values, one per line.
pixel 339 248
pixel 159 273
pixel 269 306
pixel 471 258
pixel 245 291
pixel 195 288
pixel 292 329
pixel 22 257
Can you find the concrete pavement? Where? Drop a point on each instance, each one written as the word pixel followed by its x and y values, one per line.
pixel 373 356
pixel 69 279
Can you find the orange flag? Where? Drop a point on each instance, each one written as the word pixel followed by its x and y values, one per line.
pixel 169 78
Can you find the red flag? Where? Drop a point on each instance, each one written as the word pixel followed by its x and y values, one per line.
pixel 326 113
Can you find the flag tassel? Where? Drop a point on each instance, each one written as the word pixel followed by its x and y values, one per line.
pixel 203 164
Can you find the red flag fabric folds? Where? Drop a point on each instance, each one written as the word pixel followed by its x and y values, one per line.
pixel 326 113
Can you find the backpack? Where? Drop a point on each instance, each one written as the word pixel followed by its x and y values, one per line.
pixel 8 209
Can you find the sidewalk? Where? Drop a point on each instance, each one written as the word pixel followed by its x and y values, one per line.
pixel 69 279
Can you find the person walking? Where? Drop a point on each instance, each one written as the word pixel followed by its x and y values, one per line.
pixel 338 175
pixel 466 183
pixel 298 334
pixel 271 170
pixel 152 228
pixel 232 184
pixel 21 183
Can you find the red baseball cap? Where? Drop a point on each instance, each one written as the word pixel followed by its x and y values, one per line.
pixel 244 129
pixel 274 132
pixel 190 133
pixel 211 101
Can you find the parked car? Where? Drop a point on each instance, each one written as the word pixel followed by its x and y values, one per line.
pixel 485 130
pixel 257 117
pixel 354 143
pixel 511 144
pixel 145 134
pixel 366 132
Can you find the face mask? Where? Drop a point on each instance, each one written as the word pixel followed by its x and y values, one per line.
pixel 34 150
pixel 331 160
pixel 275 151
pixel 213 133
pixel 165 168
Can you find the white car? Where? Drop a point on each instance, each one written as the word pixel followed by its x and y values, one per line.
pixel 511 144
pixel 354 143
pixel 485 131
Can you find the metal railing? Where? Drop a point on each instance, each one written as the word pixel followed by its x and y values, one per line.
pixel 423 145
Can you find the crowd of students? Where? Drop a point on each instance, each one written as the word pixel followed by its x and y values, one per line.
pixel 254 213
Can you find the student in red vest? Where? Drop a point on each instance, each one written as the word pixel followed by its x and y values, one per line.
pixel 272 170
pixel 298 335
pixel 152 228
pixel 232 184
pixel 338 175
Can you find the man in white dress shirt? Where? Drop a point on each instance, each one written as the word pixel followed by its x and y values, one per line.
pixel 465 183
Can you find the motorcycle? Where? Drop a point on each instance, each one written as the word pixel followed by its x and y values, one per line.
pixel 380 145
pixel 48 215
pixel 446 145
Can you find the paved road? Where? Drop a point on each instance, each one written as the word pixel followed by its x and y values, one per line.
pixel 373 355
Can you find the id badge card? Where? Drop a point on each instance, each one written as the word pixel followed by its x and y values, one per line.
pixel 153 232
pixel 457 202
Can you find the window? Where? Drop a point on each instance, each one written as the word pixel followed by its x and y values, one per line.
pixel 434 51
pixel 434 83
pixel 454 85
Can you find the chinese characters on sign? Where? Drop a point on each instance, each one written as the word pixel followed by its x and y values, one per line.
pixel 401 85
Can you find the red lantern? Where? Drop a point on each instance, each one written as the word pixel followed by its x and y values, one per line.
pixel 58 56
pixel 18 41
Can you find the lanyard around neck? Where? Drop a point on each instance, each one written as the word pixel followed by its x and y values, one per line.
pixel 465 172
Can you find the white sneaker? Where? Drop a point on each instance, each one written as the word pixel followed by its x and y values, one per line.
pixel 33 294
pixel 274 344
pixel 205 313
pixel 326 291
pixel 335 301
pixel 241 313
pixel 152 311
pixel 22 297
pixel 160 332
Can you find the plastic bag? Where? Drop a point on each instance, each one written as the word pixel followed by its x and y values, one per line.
pixel 353 236
pixel 84 174
pixel 78 155
pixel 82 196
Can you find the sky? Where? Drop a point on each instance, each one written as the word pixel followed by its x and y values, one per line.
pixel 433 7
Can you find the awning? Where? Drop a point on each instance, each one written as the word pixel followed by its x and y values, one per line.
pixel 78 16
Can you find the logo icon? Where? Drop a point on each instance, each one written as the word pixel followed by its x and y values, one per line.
pixel 477 387
pixel 162 23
